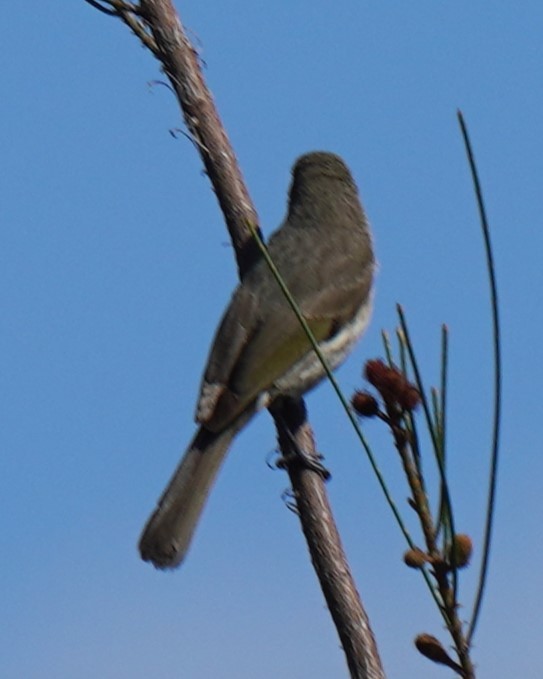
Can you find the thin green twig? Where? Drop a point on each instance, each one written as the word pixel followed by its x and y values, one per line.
pixel 443 521
pixel 443 387
pixel 417 374
pixel 496 336
pixel 445 506
pixel 409 419
pixel 386 344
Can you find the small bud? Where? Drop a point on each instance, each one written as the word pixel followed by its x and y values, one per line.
pixel 392 384
pixel 431 648
pixel 374 371
pixel 415 558
pixel 364 404
pixel 461 550
pixel 409 398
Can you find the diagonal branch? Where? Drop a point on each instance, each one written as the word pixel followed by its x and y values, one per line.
pixel 156 23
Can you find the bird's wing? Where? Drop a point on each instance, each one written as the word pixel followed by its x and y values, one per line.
pixel 279 341
pixel 235 329
pixel 260 338
pixel 269 349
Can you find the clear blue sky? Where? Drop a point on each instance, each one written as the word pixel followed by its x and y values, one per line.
pixel 115 266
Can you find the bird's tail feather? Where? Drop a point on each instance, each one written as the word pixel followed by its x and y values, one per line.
pixel 167 535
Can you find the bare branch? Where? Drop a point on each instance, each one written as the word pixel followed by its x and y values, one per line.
pixel 324 543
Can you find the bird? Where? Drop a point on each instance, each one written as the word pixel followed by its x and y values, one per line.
pixel 323 250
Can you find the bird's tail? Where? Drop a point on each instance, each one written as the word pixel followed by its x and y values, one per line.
pixel 167 535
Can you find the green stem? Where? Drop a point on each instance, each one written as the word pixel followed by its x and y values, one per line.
pixel 496 335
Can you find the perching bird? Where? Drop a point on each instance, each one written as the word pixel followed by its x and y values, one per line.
pixel 323 251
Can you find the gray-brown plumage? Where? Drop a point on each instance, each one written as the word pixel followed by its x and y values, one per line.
pixel 323 251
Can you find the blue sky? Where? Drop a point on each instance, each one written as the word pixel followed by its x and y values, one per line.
pixel 115 267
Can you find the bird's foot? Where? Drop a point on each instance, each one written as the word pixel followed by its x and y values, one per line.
pixel 296 455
